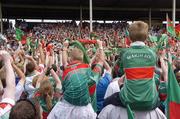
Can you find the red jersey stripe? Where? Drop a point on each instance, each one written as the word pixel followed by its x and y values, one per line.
pixel 74 67
pixel 139 73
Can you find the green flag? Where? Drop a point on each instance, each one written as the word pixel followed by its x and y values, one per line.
pixel 130 113
pixel 37 43
pixel 126 33
pixel 153 38
pixel 173 95
pixel 162 42
pixel 19 34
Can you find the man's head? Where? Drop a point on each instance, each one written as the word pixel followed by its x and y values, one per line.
pixel 25 109
pixel 138 31
pixel 76 54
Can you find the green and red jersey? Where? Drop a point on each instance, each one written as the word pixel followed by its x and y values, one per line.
pixel 139 90
pixel 79 84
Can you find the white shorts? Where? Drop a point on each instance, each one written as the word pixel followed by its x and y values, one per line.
pixel 65 110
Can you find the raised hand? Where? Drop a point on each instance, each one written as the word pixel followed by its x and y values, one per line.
pixel 5 56
pixel 99 43
pixel 66 44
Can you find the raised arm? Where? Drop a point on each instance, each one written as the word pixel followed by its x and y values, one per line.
pixel 100 62
pixel 60 57
pixel 42 75
pixel 107 67
pixel 19 72
pixel 64 54
pixel 9 91
pixel 42 56
pixel 164 65
pixel 56 78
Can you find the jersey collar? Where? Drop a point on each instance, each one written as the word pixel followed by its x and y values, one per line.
pixel 137 43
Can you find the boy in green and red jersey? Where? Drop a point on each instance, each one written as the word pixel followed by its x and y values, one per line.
pixel 138 63
pixel 79 86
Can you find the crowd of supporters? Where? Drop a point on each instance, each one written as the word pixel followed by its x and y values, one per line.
pixel 62 71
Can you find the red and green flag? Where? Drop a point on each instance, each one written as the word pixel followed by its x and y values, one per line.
pixel 170 29
pixel 173 95
pixel 177 29
pixel 23 39
pixel 19 34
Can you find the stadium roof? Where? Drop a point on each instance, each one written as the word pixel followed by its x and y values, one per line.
pixel 102 9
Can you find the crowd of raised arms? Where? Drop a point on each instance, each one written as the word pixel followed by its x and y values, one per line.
pixel 62 71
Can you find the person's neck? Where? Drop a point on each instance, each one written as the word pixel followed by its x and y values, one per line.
pixel 32 73
pixel 75 62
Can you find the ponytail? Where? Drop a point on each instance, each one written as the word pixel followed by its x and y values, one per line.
pixel 48 102
pixel 46 90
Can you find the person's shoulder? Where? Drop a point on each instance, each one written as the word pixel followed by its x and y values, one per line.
pixel 113 112
pixel 123 50
pixel 8 101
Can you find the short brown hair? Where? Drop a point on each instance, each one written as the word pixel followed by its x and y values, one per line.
pixel 76 54
pixel 30 67
pixel 138 31
pixel 26 109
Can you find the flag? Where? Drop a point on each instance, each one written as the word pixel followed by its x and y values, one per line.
pixel 86 41
pixel 19 34
pixel 177 29
pixel 28 43
pixel 127 39
pixel 162 42
pixel 37 43
pixel 173 95
pixel 153 38
pixel 23 40
pixel 93 36
pixel 170 29
pixel 130 113
pixel 127 32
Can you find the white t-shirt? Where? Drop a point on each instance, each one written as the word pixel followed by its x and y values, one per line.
pixel 5 107
pixel 65 110
pixel 19 90
pixel 114 112
pixel 29 88
pixel 112 88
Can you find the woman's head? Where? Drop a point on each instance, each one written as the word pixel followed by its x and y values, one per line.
pixel 138 31
pixel 46 90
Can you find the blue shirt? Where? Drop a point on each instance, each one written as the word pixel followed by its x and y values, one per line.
pixel 101 89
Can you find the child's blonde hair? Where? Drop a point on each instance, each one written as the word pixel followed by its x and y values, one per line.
pixel 76 54
pixel 138 31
